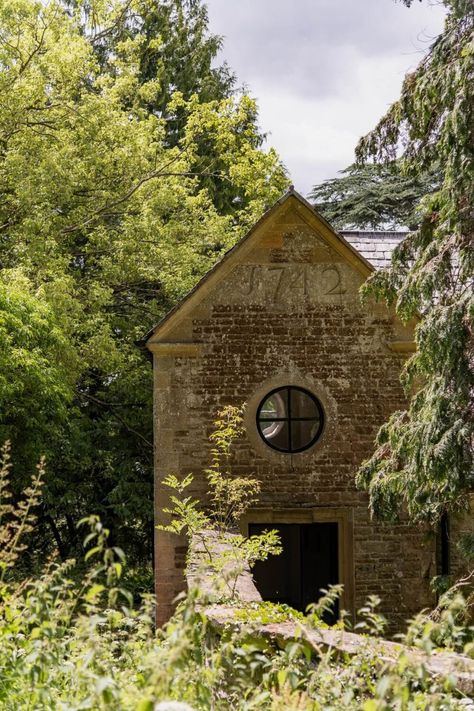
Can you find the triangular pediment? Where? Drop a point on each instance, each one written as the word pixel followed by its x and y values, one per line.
pixel 291 235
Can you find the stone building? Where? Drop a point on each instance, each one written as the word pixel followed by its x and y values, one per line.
pixel 278 324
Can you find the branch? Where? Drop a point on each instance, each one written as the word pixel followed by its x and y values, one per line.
pixel 151 176
pixel 116 414
pixel 38 47
pixel 108 30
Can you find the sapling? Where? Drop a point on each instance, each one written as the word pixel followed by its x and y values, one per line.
pixel 212 533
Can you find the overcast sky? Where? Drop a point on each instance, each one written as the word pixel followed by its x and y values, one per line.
pixel 323 71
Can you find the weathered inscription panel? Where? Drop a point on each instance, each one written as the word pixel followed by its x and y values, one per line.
pixel 283 283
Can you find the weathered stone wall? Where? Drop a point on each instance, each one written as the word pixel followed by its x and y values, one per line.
pixel 289 313
pixel 461 526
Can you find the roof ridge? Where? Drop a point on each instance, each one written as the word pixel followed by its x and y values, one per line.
pixel 374 232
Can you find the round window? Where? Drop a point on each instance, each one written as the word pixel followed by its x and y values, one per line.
pixel 290 419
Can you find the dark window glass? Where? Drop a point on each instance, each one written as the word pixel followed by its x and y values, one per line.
pixel 303 404
pixel 290 419
pixel 276 432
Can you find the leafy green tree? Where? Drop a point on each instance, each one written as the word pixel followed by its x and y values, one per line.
pixel 424 455
pixel 174 52
pixel 110 224
pixel 174 49
pixel 37 366
pixel 372 196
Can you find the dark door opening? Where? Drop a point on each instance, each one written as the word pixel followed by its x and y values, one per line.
pixel 307 563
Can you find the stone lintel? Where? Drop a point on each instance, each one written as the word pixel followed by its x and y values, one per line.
pixel 190 350
pixel 402 346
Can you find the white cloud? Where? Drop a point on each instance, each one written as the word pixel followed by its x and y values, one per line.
pixel 323 71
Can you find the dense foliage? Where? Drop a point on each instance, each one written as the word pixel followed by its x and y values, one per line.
pixel 372 196
pixel 72 641
pixel 174 52
pixel 36 389
pixel 111 151
pixel 424 456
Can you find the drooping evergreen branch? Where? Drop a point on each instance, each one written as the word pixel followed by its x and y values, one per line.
pixel 424 455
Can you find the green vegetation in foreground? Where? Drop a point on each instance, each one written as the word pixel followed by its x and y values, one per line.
pixel 266 613
pixel 74 642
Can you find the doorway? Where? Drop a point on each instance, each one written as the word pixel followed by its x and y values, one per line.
pixel 308 562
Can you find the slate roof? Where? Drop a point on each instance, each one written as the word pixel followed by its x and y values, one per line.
pixel 376 247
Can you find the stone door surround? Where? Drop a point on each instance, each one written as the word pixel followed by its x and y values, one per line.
pixel 343 516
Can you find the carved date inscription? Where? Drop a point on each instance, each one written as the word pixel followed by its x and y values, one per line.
pixel 337 287
pixel 279 281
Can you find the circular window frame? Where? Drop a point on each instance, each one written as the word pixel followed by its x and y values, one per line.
pixel 289 419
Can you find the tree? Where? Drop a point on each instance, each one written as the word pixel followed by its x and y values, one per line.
pixel 37 366
pixel 174 52
pixel 172 44
pixel 424 455
pixel 372 196
pixel 110 224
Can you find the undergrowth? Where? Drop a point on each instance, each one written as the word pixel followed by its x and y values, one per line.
pixel 68 645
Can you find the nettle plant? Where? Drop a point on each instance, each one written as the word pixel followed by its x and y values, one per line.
pixel 214 539
pixel 59 628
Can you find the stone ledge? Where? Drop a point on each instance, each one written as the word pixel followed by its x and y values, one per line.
pixel 175 349
pixel 402 346
pixel 439 664
pixel 199 571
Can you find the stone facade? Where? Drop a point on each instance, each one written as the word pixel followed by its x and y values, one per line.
pixel 283 308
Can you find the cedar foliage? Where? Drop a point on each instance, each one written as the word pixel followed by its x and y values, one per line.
pixel 424 455
pixel 372 196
